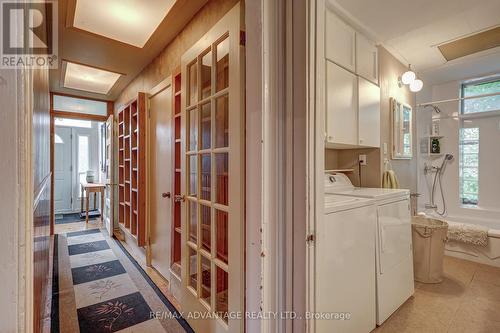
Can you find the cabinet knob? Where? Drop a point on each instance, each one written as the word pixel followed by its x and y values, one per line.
pixel 166 195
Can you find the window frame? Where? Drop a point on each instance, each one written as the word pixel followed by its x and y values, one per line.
pixel 464 84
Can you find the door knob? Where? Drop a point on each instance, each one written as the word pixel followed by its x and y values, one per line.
pixel 165 195
pixel 178 198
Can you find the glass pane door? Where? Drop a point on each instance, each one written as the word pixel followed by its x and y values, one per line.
pixel 213 174
pixel 207 156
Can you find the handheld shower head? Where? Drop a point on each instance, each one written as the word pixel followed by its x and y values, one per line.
pixel 447 157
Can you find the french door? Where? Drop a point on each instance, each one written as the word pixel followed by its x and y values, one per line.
pixel 212 264
pixel 107 210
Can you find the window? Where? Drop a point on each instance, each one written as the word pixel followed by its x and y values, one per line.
pixel 83 157
pixel 72 122
pixel 482 104
pixel 469 166
pixel 80 105
pixel 474 121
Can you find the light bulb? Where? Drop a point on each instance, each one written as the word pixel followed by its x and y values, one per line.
pixel 408 77
pixel 416 85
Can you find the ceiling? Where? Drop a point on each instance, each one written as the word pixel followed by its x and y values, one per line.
pixel 91 49
pixel 413 30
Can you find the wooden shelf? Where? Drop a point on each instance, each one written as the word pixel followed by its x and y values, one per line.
pixel 132 143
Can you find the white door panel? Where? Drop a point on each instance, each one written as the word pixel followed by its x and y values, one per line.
pixel 369 113
pixel 86 157
pixel 160 190
pixel 394 234
pixel 62 170
pixel 341 105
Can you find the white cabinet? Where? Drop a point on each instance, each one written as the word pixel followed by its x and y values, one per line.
pixel 341 106
pixel 368 114
pixel 366 58
pixel 340 42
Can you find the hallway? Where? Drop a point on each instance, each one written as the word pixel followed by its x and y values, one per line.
pixel 98 287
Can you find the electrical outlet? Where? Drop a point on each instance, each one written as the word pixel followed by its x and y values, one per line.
pixel 362 160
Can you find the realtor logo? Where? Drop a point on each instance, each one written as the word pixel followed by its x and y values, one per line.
pixel 29 34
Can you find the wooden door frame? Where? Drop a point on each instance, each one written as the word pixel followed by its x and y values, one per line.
pixel 277 138
pixel 71 115
pixel 164 84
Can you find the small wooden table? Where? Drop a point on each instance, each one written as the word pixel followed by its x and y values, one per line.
pixel 87 188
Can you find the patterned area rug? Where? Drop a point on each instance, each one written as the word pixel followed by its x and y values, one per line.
pixel 100 288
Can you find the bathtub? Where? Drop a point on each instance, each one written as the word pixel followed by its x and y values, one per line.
pixel 489 255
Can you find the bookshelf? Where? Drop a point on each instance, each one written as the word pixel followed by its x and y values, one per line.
pixel 132 168
pixel 176 181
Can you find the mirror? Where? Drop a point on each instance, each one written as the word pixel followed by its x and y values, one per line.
pixel 402 140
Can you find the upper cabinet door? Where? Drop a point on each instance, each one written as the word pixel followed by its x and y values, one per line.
pixel 369 114
pixel 341 106
pixel 340 42
pixel 366 58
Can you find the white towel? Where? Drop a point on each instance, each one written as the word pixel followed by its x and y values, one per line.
pixel 468 233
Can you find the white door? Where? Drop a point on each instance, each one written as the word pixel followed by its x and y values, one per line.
pixel 86 157
pixel 107 211
pixel 345 271
pixel 160 183
pixel 369 113
pixel 366 58
pixel 341 106
pixel 394 234
pixel 213 159
pixel 62 170
pixel 340 41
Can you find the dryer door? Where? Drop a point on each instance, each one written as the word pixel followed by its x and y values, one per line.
pixel 394 234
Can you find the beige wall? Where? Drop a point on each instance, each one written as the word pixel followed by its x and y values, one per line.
pixel 390 69
pixel 170 58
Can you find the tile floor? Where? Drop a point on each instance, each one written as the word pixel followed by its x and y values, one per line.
pixel 468 300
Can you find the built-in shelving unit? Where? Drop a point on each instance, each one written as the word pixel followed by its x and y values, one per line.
pixel 132 169
pixel 176 181
pixel 427 145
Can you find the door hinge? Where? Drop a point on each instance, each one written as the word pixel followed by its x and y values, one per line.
pixel 310 239
pixel 243 38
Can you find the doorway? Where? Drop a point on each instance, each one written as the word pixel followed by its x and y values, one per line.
pixel 77 157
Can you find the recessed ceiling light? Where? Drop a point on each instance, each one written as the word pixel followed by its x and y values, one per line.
pixel 128 21
pixel 88 78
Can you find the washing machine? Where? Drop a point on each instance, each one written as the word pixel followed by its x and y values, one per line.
pixel 345 266
pixel 394 256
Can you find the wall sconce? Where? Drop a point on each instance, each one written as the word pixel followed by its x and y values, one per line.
pixel 410 78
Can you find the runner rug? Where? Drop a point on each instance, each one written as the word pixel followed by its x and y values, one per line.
pixel 99 287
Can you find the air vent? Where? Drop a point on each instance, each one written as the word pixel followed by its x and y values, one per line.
pixel 469 45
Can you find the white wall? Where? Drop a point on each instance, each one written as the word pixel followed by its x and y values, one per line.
pixel 489 165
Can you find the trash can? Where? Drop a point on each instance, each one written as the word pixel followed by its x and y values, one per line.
pixel 429 237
